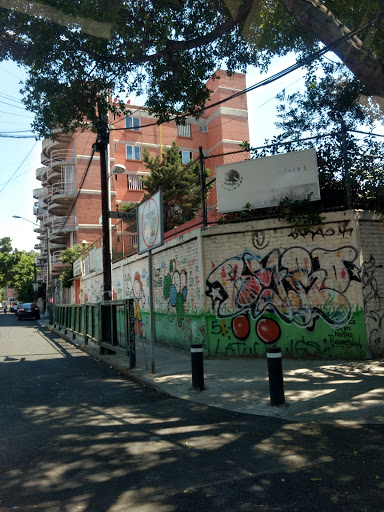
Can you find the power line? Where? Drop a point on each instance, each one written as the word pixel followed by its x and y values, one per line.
pixel 10 104
pixel 6 136
pixel 10 114
pixel 25 158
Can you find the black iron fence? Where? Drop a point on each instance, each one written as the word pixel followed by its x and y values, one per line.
pixel 109 324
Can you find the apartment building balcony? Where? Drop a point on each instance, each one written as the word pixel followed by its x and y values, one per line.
pixel 41 173
pixel 56 247
pixel 46 221
pixel 61 166
pixel 39 209
pixel 39 193
pixel 57 266
pixel 61 198
pixel 61 141
pixel 62 228
pixel 41 233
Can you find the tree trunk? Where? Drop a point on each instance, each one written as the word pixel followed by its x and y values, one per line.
pixel 358 58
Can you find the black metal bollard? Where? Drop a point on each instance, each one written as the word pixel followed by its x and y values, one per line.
pixel 275 373
pixel 197 367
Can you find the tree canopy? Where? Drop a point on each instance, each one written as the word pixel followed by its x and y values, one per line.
pixel 70 255
pixel 180 185
pixel 16 269
pixel 79 52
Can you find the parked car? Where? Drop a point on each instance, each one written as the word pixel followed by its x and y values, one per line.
pixel 28 310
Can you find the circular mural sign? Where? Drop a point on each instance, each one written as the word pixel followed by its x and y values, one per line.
pixel 149 228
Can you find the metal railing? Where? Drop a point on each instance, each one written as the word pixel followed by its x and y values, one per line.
pixel 109 324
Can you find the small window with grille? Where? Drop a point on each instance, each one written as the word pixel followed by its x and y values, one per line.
pixel 134 182
pixel 184 130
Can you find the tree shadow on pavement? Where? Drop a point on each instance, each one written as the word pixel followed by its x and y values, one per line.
pixel 77 436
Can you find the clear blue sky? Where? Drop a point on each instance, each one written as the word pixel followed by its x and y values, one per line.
pixel 21 157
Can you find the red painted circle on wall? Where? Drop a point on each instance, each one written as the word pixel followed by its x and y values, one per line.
pixel 268 330
pixel 241 327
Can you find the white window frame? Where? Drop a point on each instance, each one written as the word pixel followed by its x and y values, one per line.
pixel 186 157
pixel 135 152
pixel 134 181
pixel 184 130
pixel 133 123
pixel 203 129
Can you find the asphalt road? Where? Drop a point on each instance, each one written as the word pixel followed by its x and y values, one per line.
pixel 78 437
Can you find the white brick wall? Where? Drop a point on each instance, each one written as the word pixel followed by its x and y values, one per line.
pixel 239 288
pixel 372 279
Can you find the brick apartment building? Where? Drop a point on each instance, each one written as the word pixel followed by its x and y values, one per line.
pixel 68 203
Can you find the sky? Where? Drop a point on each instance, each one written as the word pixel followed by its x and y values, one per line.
pixel 19 160
pixel 20 157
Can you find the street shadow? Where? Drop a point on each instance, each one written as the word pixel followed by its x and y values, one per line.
pixel 76 435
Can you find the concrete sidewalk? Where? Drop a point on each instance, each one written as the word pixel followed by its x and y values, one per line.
pixel 324 391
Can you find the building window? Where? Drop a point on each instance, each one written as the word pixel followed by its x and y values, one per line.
pixel 134 182
pixel 186 157
pixel 184 130
pixel 203 129
pixel 132 123
pixel 133 152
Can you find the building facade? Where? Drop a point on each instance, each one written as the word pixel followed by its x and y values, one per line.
pixel 68 202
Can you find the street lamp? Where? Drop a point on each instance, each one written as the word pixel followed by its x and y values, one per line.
pixel 49 269
pixel 18 217
pixel 117 169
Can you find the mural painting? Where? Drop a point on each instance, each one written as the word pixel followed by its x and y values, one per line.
pixel 296 298
pixel 177 297
pixel 175 290
pixel 135 290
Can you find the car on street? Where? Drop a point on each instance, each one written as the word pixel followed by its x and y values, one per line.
pixel 28 310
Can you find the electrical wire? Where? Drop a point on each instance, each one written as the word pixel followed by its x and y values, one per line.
pixel 12 176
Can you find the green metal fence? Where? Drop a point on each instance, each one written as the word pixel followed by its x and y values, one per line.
pixel 110 324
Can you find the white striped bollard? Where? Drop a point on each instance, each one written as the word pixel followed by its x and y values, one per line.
pixel 197 366
pixel 275 373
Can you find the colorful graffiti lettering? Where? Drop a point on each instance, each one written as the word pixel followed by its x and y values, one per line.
pixel 299 286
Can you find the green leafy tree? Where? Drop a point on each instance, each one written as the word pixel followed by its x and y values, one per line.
pixel 79 52
pixel 7 260
pixel 179 183
pixel 17 269
pixel 23 276
pixel 70 255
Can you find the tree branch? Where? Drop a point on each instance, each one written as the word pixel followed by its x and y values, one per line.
pixel 358 58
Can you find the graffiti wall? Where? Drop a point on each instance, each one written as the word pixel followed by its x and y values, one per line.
pixel 178 295
pixel 237 289
pixel 302 297
pixel 372 280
